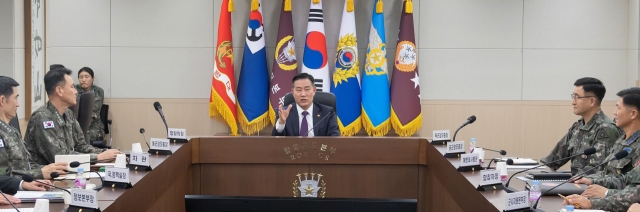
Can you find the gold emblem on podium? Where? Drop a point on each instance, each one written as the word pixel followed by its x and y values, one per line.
pixel 313 187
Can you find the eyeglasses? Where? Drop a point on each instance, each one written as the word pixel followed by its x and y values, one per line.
pixel 576 97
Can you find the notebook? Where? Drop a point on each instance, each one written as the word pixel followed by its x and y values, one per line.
pixel 31 196
pixel 565 189
pixel 71 158
pixel 548 176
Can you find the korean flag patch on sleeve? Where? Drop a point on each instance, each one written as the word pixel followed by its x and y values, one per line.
pixel 48 125
pixel 1 143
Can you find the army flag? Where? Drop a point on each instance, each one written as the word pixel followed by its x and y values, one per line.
pixel 253 84
pixel 314 59
pixel 285 65
pixel 222 102
pixel 375 82
pixel 406 116
pixel 346 78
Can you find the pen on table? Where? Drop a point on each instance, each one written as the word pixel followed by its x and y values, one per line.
pixel 576 205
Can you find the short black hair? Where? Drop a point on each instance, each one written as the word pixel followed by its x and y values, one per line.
pixel 593 85
pixel 630 97
pixel 55 66
pixel 303 76
pixel 86 69
pixel 54 78
pixel 6 86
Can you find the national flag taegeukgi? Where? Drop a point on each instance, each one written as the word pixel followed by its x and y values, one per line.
pixel 285 65
pixel 222 102
pixel 253 84
pixel 375 82
pixel 346 78
pixel 314 59
pixel 406 115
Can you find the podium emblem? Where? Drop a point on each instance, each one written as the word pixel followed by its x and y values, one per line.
pixel 313 187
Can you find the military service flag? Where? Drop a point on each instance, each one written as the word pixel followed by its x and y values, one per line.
pixel 222 102
pixel 253 84
pixel 285 65
pixel 406 116
pixel 314 59
pixel 375 82
pixel 346 78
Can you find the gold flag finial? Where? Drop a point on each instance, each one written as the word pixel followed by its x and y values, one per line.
pixel 408 7
pixel 379 7
pixel 230 6
pixel 254 5
pixel 349 5
pixel 287 5
pixel 316 1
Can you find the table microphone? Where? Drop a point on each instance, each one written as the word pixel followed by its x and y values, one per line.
pixel 158 108
pixel 75 164
pixel 502 152
pixel 145 137
pixel 314 126
pixel 470 120
pixel 589 151
pixel 29 178
pixel 55 175
pixel 617 156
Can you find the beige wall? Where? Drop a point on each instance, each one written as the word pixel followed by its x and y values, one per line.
pixel 522 128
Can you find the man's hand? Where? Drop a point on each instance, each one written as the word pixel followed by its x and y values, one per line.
pixel 109 155
pixel 583 181
pixel 60 167
pixel 594 191
pixel 35 186
pixel 634 208
pixel 580 200
pixel 283 114
pixel 13 200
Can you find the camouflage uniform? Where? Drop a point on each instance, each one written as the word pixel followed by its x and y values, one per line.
pixel 96 129
pixel 611 176
pixel 620 199
pixel 600 133
pixel 49 134
pixel 14 157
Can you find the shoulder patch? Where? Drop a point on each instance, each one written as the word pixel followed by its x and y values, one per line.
pixel 48 124
pixel 602 134
pixel 1 143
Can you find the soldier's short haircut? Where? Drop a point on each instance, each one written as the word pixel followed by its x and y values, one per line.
pixel 55 78
pixel 592 85
pixel 630 97
pixel 6 86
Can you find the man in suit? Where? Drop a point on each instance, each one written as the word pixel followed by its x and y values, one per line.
pixel 11 185
pixel 299 119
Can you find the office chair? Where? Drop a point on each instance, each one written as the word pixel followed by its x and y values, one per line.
pixel 324 98
pixel 85 109
pixel 104 117
pixel 14 123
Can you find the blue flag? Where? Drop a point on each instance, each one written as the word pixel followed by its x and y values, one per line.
pixel 376 106
pixel 253 85
pixel 346 78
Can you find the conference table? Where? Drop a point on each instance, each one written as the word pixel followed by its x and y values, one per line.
pixel 179 174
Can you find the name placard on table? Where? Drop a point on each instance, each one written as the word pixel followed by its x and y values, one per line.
pixel 441 135
pixel 84 198
pixel 516 200
pixel 471 159
pixel 490 177
pixel 160 144
pixel 177 133
pixel 141 159
pixel 455 147
pixel 114 174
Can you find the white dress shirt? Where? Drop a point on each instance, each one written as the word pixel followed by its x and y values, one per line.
pixel 309 117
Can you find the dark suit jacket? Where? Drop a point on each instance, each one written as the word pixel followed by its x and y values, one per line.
pixel 328 126
pixel 9 185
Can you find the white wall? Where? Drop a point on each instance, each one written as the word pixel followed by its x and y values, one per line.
pixel 469 50
pixel 12 44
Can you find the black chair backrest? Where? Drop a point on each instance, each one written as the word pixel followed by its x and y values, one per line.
pixel 84 112
pixel 14 123
pixel 104 113
pixel 324 98
pixel 76 107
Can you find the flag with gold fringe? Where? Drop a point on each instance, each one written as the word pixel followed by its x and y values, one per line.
pixel 346 78
pixel 375 81
pixel 314 58
pixel 285 65
pixel 222 102
pixel 253 84
pixel 406 115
